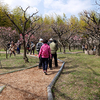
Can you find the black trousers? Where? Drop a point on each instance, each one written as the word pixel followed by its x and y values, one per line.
pixel 55 60
pixel 40 62
pixel 13 53
pixel 32 50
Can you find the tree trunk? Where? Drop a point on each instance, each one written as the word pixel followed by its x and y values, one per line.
pixel 25 56
pixel 0 61
pixel 64 49
pixel 88 47
pixel 0 64
pixel 74 47
pixel 69 47
pixel 6 54
pixel 60 49
pixel 98 50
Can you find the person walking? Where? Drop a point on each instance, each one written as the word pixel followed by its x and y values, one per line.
pixel 86 47
pixel 32 48
pixel 38 46
pixel 18 46
pixel 44 53
pixel 54 48
pixel 12 48
pixel 50 41
pixel 8 47
pixel 83 47
pixel 28 48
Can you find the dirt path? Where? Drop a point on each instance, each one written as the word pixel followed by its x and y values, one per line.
pixel 29 84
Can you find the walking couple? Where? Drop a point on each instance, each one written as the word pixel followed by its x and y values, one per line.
pixel 46 52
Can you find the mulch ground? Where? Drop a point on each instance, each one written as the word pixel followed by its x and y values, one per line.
pixel 29 84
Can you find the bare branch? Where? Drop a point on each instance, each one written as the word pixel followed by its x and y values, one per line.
pixel 97 3
pixel 13 22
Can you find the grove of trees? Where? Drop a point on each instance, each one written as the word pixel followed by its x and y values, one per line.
pixel 19 25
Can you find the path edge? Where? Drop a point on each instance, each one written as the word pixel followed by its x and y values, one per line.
pixel 49 88
pixel 18 70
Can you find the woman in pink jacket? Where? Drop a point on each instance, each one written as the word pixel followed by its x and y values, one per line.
pixel 45 52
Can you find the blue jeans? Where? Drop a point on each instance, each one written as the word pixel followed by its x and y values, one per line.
pixel 45 63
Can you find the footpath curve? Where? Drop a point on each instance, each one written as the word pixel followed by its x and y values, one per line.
pixel 30 84
pixel 50 86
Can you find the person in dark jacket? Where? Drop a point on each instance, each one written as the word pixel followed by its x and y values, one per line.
pixel 50 41
pixel 32 48
pixel 28 48
pixel 38 47
pixel 18 47
pixel 39 44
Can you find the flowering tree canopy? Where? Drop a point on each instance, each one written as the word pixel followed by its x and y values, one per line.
pixel 6 35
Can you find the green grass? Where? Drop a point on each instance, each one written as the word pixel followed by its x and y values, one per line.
pixel 72 50
pixel 80 78
pixel 16 63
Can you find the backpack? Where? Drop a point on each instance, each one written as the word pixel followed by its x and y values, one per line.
pixel 28 45
pixel 32 45
pixel 45 51
pixel 38 46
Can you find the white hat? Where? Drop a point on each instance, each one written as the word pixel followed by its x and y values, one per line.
pixel 50 39
pixel 40 39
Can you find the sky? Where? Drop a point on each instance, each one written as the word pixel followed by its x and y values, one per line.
pixel 52 7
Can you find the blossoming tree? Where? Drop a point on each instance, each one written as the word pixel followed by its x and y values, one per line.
pixel 6 35
pixel 26 26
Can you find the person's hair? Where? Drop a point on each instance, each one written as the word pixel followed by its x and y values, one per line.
pixel 45 40
pixel 54 41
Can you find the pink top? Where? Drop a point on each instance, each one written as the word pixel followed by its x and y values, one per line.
pixel 45 51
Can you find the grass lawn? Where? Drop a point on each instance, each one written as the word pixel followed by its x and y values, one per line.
pixel 72 50
pixel 16 63
pixel 80 78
